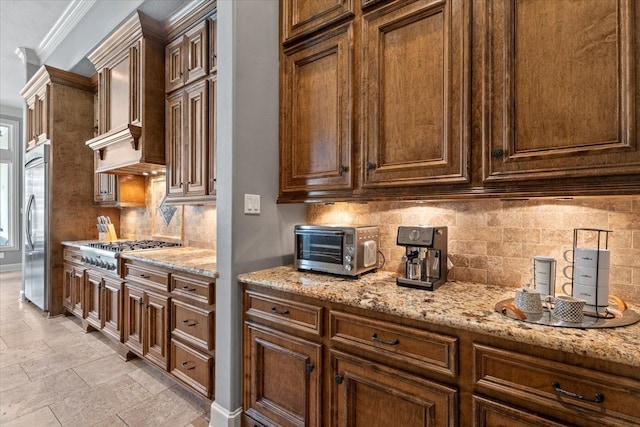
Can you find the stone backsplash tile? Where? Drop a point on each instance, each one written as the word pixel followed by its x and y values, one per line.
pixel 193 225
pixel 493 241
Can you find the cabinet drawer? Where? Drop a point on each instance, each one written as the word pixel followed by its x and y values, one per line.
pixel 72 255
pixel 193 324
pixel 197 290
pixel 288 314
pixel 154 278
pixel 398 345
pixel 537 384
pixel 192 367
pixel 487 414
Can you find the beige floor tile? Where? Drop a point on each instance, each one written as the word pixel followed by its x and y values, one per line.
pixel 3 345
pixel 95 340
pixel 35 395
pixel 100 403
pixel 72 325
pixel 168 408
pixel 40 333
pixel 12 376
pixel 151 379
pixel 59 361
pixel 13 327
pixel 41 418
pixel 103 369
pixel 22 353
pixel 202 421
pixel 112 421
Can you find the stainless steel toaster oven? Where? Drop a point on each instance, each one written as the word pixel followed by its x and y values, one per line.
pixel 343 250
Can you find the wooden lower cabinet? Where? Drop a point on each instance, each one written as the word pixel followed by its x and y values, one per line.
pixel 364 393
pixel 284 378
pixel 73 289
pixel 93 299
pixel 112 307
pixel 146 321
pixel 349 366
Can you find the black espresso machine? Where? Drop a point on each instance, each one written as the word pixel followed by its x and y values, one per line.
pixel 425 258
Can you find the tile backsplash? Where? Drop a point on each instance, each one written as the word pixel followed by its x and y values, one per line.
pixel 493 241
pixel 193 225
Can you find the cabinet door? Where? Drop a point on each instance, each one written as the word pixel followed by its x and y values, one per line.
pixel 196 139
pixel 174 143
pixel 174 65
pixel 156 329
pixel 284 378
pixel 133 300
pixel 304 17
pixel 316 115
pixel 104 188
pixel 211 187
pixel 77 292
pixel 112 307
pixel 31 136
pixel 42 114
pixel 415 115
pixel 197 45
pixel 93 300
pixel 560 88
pixel 367 394
pixel 67 287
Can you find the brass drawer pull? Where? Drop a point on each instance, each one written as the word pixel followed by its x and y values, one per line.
pixel 275 311
pixel 374 337
pixel 187 288
pixel 184 365
pixel 189 322
pixel 598 397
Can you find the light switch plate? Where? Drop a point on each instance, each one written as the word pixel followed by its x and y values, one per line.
pixel 252 204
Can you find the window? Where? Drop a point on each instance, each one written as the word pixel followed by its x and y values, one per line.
pixel 9 184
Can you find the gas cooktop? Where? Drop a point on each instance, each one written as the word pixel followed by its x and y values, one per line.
pixel 132 245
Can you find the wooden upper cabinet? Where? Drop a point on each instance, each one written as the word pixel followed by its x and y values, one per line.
pixel 302 17
pixel 121 191
pixel 560 81
pixel 415 119
pixel 175 131
pixel 187 57
pixel 316 114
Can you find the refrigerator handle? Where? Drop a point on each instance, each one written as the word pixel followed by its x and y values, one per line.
pixel 29 227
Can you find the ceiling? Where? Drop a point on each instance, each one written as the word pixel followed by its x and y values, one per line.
pixel 60 33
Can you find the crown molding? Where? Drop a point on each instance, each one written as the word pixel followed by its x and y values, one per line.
pixel 63 26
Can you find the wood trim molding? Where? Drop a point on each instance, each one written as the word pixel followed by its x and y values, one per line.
pixel 76 10
pixel 184 18
pixel 128 133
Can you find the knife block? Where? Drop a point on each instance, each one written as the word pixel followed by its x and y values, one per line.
pixel 109 235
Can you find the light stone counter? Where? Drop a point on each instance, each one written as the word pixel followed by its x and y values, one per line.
pixel 186 259
pixel 77 243
pixel 460 305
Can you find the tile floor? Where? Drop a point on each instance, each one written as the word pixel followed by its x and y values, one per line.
pixel 52 373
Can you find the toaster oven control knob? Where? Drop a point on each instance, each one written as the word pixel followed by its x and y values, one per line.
pixel 350 250
pixel 348 258
pixel 348 267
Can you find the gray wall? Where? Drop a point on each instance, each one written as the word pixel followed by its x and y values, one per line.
pixel 247 159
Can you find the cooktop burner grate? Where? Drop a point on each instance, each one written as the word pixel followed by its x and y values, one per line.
pixel 132 245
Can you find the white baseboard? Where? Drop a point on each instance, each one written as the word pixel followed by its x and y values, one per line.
pixel 221 417
pixel 10 267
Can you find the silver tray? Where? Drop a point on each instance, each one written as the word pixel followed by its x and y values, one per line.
pixel 591 320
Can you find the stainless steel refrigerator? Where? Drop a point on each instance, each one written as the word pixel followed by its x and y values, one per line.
pixel 35 265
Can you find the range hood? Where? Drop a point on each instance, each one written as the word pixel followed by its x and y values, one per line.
pixel 129 108
pixel 121 151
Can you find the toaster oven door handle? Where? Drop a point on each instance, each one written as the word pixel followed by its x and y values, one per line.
pixel 320 232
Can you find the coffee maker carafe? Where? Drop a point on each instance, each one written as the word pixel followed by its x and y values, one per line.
pixel 425 258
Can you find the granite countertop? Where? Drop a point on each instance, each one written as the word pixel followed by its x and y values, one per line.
pixel 460 305
pixel 77 243
pixel 185 258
